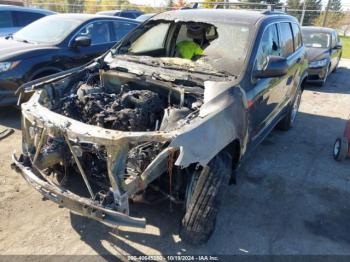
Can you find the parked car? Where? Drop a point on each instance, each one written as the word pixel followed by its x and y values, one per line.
pixel 145 17
pixel 170 112
pixel 13 18
pixel 132 14
pixel 54 44
pixel 324 52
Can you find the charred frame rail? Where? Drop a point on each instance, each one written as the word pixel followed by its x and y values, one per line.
pixel 82 172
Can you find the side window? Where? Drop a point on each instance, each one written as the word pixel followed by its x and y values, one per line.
pixel 121 28
pixel 98 32
pixel 269 45
pixel 297 36
pixel 6 19
pixel 334 39
pixel 24 18
pixel 286 39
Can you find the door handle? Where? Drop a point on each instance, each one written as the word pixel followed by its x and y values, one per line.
pixel 289 80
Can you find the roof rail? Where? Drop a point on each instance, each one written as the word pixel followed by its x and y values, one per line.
pixel 258 6
pixel 268 12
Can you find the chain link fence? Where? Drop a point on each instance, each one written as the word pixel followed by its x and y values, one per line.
pixel 339 20
pixel 91 6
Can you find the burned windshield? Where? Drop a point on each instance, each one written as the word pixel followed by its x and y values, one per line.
pixel 221 46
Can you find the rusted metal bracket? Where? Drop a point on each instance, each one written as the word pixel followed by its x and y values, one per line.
pixel 39 145
pixel 82 172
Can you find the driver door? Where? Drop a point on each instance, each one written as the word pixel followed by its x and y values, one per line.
pixel 334 52
pixel 267 91
pixel 101 40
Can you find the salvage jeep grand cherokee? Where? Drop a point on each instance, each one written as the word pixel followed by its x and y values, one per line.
pixel 172 109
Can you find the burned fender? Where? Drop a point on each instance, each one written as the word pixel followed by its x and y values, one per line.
pixel 222 119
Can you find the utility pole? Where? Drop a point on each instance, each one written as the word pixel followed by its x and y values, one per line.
pixel 326 14
pixel 303 14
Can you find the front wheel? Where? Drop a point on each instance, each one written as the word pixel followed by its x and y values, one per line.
pixel 287 122
pixel 340 148
pixel 204 192
pixel 324 80
pixel 336 66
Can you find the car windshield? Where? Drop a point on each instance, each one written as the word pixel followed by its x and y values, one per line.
pixel 221 46
pixel 48 30
pixel 316 39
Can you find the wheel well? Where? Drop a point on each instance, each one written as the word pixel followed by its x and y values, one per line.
pixel 44 72
pixel 303 83
pixel 234 148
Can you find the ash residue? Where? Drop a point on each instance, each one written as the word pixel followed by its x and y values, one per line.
pixel 136 110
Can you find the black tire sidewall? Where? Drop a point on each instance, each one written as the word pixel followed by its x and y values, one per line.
pixel 343 148
pixel 205 182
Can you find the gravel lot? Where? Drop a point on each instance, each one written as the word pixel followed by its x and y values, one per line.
pixel 291 197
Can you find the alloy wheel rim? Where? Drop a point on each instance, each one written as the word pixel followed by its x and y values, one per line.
pixel 336 148
pixel 295 106
pixel 326 75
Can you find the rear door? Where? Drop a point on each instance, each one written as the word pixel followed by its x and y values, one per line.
pixel 101 36
pixel 335 52
pixel 293 51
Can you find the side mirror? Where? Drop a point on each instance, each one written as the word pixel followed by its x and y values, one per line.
pixel 83 41
pixel 8 36
pixel 338 46
pixel 276 66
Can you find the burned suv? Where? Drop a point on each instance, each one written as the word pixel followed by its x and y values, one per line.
pixel 171 110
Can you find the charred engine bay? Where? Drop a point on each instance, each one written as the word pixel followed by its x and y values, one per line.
pixel 129 110
pixel 107 101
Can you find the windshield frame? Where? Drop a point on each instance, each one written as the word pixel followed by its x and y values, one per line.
pixel 137 32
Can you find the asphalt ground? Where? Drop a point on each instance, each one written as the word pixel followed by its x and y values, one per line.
pixel 291 197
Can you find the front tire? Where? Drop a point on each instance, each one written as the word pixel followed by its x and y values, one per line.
pixel 204 192
pixel 288 121
pixel 340 148
pixel 336 66
pixel 324 80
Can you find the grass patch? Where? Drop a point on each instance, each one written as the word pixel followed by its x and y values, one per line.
pixel 346 46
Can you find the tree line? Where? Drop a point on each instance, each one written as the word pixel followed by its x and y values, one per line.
pixel 313 15
pixel 88 6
